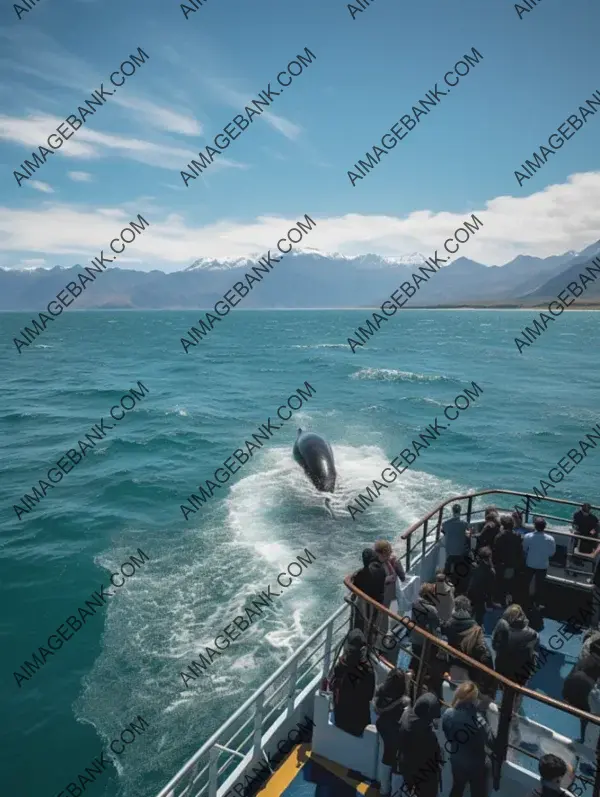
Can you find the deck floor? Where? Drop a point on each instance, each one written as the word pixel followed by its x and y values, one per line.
pixel 302 775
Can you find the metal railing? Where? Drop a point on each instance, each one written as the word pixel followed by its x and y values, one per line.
pixel 422 536
pixel 426 663
pixel 243 735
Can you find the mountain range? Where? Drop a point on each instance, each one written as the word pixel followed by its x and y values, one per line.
pixel 307 279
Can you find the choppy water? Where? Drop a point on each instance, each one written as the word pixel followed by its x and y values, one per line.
pixel 201 406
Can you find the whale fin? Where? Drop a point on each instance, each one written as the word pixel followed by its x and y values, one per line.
pixel 329 507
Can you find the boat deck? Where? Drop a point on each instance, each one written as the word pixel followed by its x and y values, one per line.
pixel 305 775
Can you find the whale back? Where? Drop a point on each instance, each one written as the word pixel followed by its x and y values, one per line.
pixel 315 456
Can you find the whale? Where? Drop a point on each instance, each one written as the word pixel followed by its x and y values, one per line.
pixel 315 457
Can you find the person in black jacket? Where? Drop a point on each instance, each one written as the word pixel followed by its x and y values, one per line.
pixel 353 684
pixel 469 757
pixel 553 771
pixel 391 701
pixel 581 680
pixel 370 580
pixel 474 645
pixel 585 524
pixel 424 615
pixel 489 532
pixel 482 583
pixel 461 621
pixel 419 754
pixel 508 558
pixel 515 644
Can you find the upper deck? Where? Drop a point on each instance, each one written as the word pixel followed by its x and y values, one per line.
pixel 263 748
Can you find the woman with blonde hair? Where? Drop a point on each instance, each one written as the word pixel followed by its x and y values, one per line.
pixel 444 596
pixel 468 756
pixel 475 646
pixel 393 570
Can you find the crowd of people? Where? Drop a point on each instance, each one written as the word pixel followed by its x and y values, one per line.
pixel 512 559
pixel 412 758
pixel 509 563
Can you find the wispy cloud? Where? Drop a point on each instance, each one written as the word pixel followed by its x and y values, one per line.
pixel 80 177
pixel 540 224
pixel 31 262
pixel 238 99
pixel 88 143
pixel 39 186
pixel 160 116
pixel 50 62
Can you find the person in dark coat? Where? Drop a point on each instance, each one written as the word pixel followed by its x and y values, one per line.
pixel 474 645
pixel 482 584
pixel 468 757
pixel 509 559
pixel 353 685
pixel 424 615
pixel 585 524
pixel 390 703
pixel 553 771
pixel 515 644
pixel 489 532
pixel 581 680
pixel 420 758
pixel 461 621
pixel 370 580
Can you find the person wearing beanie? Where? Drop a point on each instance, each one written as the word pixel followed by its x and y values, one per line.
pixel 353 685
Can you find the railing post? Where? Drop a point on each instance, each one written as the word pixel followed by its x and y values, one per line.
pixel 421 672
pixel 596 792
pixel 258 716
pixel 527 509
pixel 407 555
pixel 439 523
pixel 469 509
pixel 506 709
pixel 213 771
pixel 291 695
pixel 328 646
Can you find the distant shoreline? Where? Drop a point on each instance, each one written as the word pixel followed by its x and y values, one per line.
pixel 366 309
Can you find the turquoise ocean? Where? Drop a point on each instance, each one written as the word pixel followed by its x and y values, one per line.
pixel 201 406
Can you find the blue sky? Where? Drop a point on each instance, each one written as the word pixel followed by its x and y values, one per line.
pixel 368 72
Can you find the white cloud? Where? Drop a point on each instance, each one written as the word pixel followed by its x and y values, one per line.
pixel 39 186
pixel 49 61
pixel 160 116
pixel 31 263
pixel 80 177
pixel 552 221
pixel 238 100
pixel 87 143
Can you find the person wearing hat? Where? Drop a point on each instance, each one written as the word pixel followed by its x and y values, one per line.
pixel 353 685
pixel 391 701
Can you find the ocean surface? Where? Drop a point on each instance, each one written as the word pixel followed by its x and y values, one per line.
pixel 126 494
